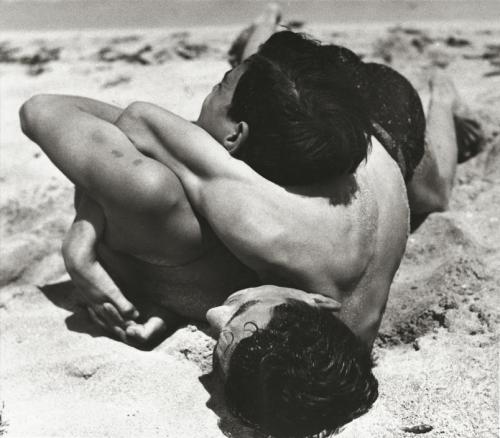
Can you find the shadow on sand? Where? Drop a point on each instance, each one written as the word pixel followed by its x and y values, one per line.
pixel 228 424
pixel 65 296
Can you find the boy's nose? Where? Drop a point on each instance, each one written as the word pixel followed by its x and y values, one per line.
pixel 218 317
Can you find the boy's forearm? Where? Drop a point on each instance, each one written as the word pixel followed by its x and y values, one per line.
pixel 39 113
pixel 80 257
pixel 159 133
pixel 102 110
pixel 96 155
pixel 186 149
pixel 68 131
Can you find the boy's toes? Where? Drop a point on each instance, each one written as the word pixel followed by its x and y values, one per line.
pixel 470 138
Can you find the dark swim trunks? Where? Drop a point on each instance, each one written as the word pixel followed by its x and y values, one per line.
pixel 397 116
pixel 394 107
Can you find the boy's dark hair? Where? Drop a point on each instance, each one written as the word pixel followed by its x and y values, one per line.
pixel 307 121
pixel 304 373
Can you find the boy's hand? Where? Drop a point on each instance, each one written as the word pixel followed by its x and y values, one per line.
pixel 157 323
pixel 107 305
pixel 109 319
pixel 152 326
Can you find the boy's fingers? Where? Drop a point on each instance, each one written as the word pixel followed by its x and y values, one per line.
pixel 120 333
pixel 124 306
pixel 101 317
pixel 96 319
pixel 333 306
pixel 326 302
pixel 153 327
pixel 119 323
pixel 113 314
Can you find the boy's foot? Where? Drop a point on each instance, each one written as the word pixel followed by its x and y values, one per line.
pixel 469 134
pixel 271 15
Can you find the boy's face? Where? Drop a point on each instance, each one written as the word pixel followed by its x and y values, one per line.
pixel 246 311
pixel 214 111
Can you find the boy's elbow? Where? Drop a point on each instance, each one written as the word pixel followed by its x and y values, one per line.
pixel 137 107
pixel 134 111
pixel 32 111
pixel 27 114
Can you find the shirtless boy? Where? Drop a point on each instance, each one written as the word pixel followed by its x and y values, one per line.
pixel 288 237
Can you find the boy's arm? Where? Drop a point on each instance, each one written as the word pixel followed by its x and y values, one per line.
pixel 250 214
pixel 107 305
pixel 95 155
pixel 102 110
pixel 79 137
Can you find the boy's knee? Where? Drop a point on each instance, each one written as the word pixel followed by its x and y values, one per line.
pixel 439 197
pixel 428 195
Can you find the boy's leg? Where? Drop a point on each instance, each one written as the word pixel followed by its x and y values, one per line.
pixel 248 41
pixel 430 187
pixel 427 152
pixel 451 138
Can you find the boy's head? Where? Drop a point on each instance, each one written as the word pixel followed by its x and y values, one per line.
pixel 291 112
pixel 289 365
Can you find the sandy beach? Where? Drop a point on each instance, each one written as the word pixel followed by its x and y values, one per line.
pixel 437 353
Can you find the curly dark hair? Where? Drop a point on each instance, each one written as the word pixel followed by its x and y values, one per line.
pixel 304 373
pixel 307 120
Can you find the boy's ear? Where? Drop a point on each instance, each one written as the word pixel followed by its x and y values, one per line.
pixel 234 141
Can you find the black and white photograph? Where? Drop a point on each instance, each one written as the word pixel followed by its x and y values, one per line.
pixel 249 219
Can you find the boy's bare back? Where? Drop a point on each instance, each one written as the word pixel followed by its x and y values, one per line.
pixel 344 238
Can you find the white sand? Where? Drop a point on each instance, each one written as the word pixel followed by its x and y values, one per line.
pixel 438 351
